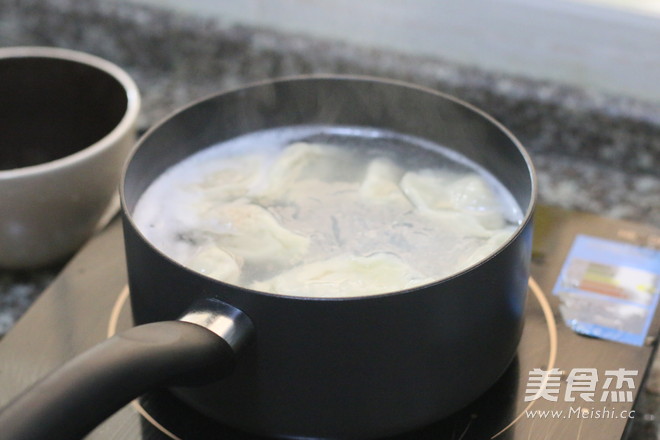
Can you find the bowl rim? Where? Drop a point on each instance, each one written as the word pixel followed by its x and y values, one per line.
pixel 127 121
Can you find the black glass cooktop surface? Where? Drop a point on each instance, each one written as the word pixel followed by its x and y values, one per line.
pixel 560 385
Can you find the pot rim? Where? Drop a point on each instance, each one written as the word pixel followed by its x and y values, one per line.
pixel 527 218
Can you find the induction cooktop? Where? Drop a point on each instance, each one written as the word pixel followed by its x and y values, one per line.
pixel 588 343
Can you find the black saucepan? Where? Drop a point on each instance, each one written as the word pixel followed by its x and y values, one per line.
pixel 301 367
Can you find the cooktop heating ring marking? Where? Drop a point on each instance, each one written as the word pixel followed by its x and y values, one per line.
pixel 116 310
pixel 552 336
pixel 533 286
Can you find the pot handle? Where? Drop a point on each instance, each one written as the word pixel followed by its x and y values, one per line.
pixel 71 401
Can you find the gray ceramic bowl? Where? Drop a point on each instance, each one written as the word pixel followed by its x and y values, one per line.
pixel 67 122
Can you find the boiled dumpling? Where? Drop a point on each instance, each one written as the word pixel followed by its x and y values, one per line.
pixel 345 275
pixel 428 189
pixel 473 195
pixel 486 249
pixel 251 232
pixel 451 197
pixel 460 224
pixel 215 263
pixel 240 177
pixel 381 183
pixel 302 161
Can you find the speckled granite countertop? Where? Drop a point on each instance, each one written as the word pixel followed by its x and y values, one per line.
pixel 592 152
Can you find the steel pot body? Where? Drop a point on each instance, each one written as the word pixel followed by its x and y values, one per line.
pixel 343 368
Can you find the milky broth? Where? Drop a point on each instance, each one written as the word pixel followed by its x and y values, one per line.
pixel 327 211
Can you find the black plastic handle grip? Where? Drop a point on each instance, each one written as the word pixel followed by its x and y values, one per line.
pixel 74 399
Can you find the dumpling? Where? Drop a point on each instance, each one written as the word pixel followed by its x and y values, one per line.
pixel 472 194
pixel 459 224
pixel 486 249
pixel 237 178
pixel 441 193
pixel 345 276
pixel 252 233
pixel 381 183
pixel 428 189
pixel 215 263
pixel 303 161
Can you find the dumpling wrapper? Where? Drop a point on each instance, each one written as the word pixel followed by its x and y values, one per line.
pixel 472 194
pixel 381 183
pixel 487 249
pixel 215 263
pixel 253 234
pixel 428 189
pixel 442 193
pixel 460 224
pixel 239 177
pixel 345 276
pixel 302 161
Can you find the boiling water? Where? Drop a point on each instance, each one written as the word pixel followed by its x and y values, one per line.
pixel 327 211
